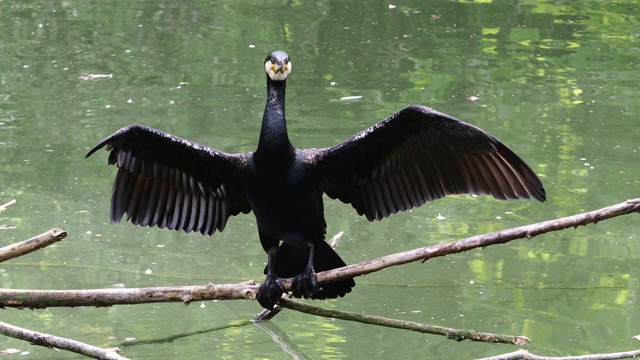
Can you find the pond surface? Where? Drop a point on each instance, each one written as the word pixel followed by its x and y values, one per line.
pixel 556 81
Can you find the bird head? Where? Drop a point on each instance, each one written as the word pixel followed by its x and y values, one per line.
pixel 277 65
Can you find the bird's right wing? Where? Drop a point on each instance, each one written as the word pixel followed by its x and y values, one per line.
pixel 170 182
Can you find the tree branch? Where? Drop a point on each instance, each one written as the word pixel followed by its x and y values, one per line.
pixel 51 341
pixel 455 334
pixel 498 237
pixel 525 355
pixel 106 297
pixel 40 299
pixel 4 207
pixel 35 243
pixel 248 290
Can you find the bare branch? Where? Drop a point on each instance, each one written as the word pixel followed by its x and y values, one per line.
pixel 35 243
pixel 51 341
pixel 455 334
pixel 498 237
pixel 266 314
pixel 525 355
pixel 335 240
pixel 40 299
pixel 248 290
pixel 3 207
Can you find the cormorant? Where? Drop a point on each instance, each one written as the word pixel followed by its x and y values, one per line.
pixel 416 155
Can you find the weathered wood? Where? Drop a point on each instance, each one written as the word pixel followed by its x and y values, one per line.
pixel 248 290
pixel 51 341
pixel 40 299
pixel 449 333
pixel 525 355
pixel 35 243
pixel 479 241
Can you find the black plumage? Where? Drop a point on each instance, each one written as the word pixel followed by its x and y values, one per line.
pixel 413 156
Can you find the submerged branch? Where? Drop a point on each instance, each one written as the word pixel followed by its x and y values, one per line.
pixel 57 342
pixel 35 243
pixel 525 355
pixel 280 337
pixel 454 334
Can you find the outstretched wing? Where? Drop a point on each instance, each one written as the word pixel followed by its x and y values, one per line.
pixel 170 182
pixel 419 155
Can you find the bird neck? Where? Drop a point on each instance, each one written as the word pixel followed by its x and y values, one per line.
pixel 273 135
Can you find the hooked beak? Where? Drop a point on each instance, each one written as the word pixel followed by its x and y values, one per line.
pixel 277 70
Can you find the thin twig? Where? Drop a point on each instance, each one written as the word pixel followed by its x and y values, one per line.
pixel 335 240
pixel 266 314
pixel 163 341
pixel 51 341
pixel 454 334
pixel 525 355
pixel 3 207
pixel 35 243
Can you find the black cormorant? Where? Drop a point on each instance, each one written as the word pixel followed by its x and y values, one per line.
pixel 416 155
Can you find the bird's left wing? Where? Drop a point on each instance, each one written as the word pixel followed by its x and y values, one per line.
pixel 170 182
pixel 419 155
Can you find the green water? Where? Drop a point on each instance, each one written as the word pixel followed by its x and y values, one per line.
pixel 556 81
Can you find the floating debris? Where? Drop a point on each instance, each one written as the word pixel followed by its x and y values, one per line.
pixel 347 98
pixel 95 76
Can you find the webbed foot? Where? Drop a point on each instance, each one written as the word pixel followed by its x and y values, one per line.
pixel 270 292
pixel 305 284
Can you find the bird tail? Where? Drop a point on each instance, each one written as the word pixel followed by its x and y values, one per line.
pixel 291 261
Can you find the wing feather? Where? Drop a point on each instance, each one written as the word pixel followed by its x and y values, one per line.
pixel 419 155
pixel 166 181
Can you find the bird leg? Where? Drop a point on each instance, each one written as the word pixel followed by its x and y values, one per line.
pixel 306 284
pixel 272 288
